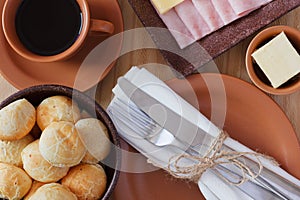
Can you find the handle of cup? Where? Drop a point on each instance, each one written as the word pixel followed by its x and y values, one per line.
pixel 101 26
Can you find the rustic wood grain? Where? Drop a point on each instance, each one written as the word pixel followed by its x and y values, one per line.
pixel 215 43
pixel 230 62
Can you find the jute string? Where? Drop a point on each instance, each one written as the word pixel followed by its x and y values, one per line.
pixel 213 157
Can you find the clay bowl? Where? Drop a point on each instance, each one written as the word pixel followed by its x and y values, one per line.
pixel 256 74
pixel 36 94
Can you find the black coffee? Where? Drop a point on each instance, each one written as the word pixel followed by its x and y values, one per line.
pixel 48 27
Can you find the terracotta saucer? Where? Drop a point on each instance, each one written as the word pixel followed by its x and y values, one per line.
pixel 247 119
pixel 23 73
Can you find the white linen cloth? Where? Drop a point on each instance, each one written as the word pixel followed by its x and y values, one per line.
pixel 211 186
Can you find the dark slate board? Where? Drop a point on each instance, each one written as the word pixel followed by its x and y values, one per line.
pixel 215 43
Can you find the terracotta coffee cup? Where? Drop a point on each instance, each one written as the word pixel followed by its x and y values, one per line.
pixel 87 26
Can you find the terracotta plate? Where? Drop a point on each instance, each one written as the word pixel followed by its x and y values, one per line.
pixel 251 117
pixel 23 73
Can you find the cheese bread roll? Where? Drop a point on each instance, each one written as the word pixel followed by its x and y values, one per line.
pixel 10 151
pixel 14 182
pixel 53 191
pixel 38 168
pixel 16 120
pixel 87 181
pixel 60 144
pixel 35 185
pixel 94 135
pixel 55 109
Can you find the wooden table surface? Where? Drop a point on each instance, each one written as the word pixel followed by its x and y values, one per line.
pixel 231 62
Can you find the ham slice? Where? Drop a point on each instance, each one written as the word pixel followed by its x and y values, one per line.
pixel 225 11
pixel 209 13
pixel 177 28
pixel 192 19
pixel 246 6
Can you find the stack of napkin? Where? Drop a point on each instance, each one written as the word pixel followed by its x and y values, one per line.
pixel 211 185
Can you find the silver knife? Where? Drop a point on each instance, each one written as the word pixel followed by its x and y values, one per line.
pixel 189 133
pixel 180 127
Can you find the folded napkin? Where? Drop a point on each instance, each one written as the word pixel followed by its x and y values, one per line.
pixel 211 185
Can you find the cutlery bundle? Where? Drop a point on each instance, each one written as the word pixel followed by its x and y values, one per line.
pixel 175 136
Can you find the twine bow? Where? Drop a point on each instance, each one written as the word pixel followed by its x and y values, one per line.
pixel 213 157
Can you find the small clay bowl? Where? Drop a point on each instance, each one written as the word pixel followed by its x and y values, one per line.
pixel 257 75
pixel 112 163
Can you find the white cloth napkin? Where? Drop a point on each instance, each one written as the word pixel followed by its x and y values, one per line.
pixel 211 186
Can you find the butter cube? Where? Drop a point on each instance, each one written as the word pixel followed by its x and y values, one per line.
pixel 278 59
pixel 164 6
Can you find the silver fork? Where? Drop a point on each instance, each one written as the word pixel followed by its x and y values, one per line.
pixel 140 123
pixel 149 129
pixel 166 138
